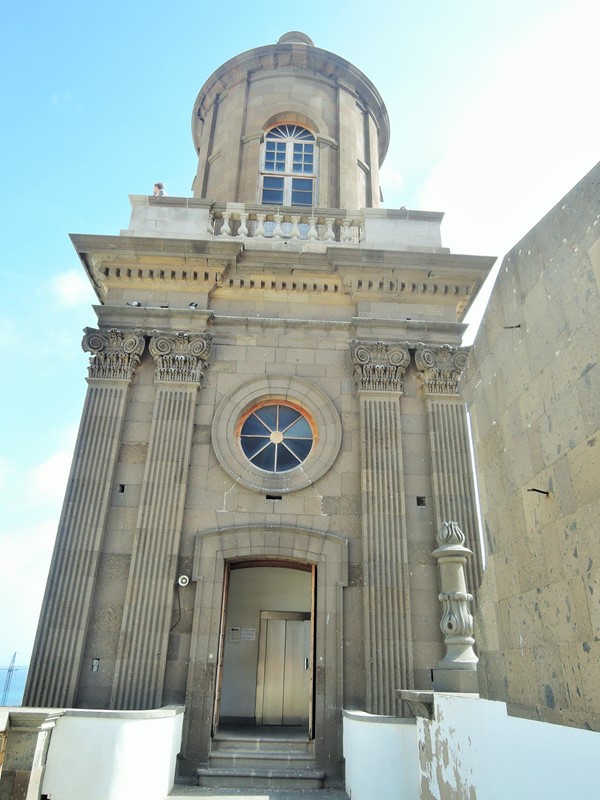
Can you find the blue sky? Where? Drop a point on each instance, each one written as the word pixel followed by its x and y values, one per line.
pixel 494 116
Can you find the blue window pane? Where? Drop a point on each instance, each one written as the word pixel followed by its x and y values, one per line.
pixel 301 199
pixel 299 447
pixel 272 197
pixel 268 415
pixel 302 191
pixel 285 459
pixel 299 430
pixel 287 416
pixel 252 444
pixel 254 426
pixel 273 183
pixel 266 459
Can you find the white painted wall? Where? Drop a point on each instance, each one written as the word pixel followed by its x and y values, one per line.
pixel 113 755
pixel 381 757
pixel 473 749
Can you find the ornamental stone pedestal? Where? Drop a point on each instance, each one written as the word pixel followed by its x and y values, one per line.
pixel 142 652
pixel 378 373
pixel 56 664
pixel 457 671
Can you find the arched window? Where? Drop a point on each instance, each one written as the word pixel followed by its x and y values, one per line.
pixel 288 167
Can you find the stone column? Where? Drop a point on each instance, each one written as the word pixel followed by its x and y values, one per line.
pixel 142 651
pixel 378 373
pixel 457 671
pixel 57 654
pixel 440 367
pixel 27 741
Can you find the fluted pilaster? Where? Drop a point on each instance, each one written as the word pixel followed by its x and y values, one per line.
pixel 142 653
pixel 378 372
pixel 58 650
pixel 440 368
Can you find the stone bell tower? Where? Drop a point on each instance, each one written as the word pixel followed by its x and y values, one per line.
pixel 273 416
pixel 290 85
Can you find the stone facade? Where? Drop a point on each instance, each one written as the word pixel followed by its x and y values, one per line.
pixel 533 386
pixel 208 311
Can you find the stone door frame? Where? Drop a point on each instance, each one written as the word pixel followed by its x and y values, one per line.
pixel 212 549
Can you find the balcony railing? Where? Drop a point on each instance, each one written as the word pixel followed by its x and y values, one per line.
pixel 312 226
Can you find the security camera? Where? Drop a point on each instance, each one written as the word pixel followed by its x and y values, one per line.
pixel 183 580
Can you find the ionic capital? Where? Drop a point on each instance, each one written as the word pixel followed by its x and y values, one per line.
pixel 180 357
pixel 440 367
pixel 115 354
pixel 379 366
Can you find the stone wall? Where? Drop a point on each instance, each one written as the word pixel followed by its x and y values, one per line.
pixel 533 384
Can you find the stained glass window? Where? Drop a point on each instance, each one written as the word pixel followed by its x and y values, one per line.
pixel 276 437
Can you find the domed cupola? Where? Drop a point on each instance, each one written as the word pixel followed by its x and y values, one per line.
pixel 290 124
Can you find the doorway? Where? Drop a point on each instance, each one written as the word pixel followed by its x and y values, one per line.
pixel 265 665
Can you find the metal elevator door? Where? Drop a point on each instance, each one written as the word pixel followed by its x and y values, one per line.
pixel 283 675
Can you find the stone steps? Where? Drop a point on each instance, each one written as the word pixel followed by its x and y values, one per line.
pixel 265 761
pixel 260 778
pixel 261 758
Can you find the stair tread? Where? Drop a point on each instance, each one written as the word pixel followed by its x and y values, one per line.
pixel 262 772
pixel 281 755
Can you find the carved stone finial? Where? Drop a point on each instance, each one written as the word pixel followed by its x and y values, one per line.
pixel 440 367
pixel 115 354
pixel 379 366
pixel 457 670
pixel 450 534
pixel 180 357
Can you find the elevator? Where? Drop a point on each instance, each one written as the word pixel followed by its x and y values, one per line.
pixel 265 667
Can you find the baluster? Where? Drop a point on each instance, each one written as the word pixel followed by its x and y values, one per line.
pixel 277 230
pixel 295 228
pixel 259 233
pixel 211 223
pixel 243 229
pixel 312 230
pixel 329 234
pixel 346 231
pixel 225 227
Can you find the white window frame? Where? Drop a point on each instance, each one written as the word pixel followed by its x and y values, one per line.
pixel 287 174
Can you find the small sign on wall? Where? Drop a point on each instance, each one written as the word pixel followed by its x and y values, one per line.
pixel 248 634
pixel 234 634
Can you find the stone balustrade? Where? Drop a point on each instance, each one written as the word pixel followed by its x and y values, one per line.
pixel 233 220
pixel 199 219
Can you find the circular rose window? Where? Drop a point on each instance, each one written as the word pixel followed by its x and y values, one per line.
pixel 276 434
pixel 276 437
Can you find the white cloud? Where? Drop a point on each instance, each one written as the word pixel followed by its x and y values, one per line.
pixel 392 183
pixel 6 469
pixel 526 140
pixel 24 560
pixel 65 100
pixel 49 479
pixel 72 288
